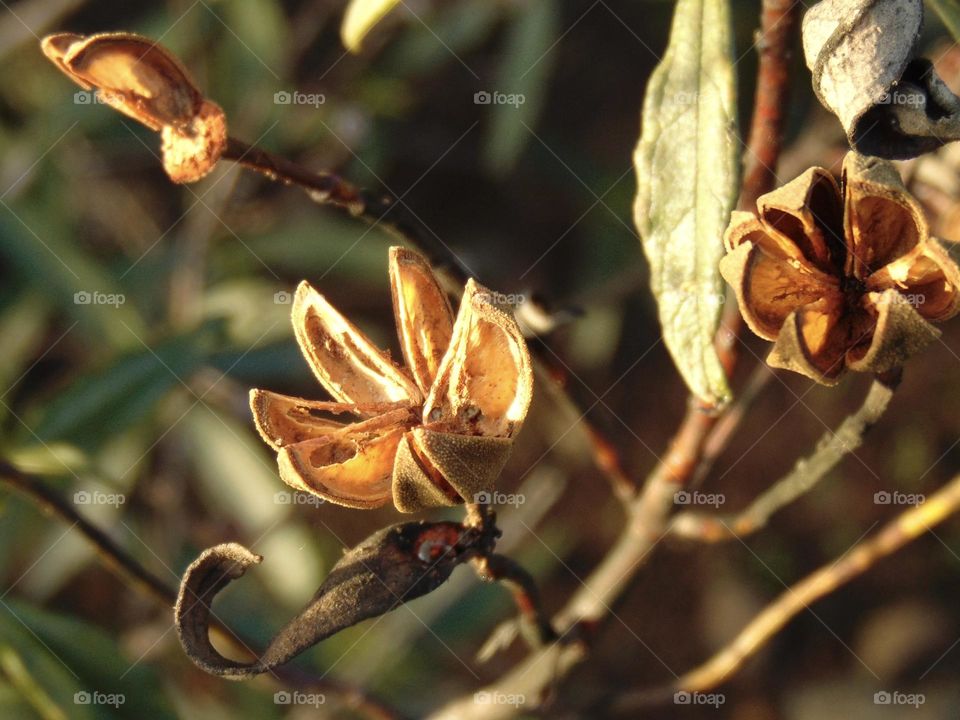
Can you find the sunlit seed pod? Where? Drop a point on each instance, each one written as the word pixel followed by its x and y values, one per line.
pixel 144 81
pixel 435 433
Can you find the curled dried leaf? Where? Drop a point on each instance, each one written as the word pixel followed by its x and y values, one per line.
pixel 391 567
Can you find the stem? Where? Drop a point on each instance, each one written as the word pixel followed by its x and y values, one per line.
pixel 907 526
pixel 804 476
pixel 649 510
pixel 500 568
pixel 374 208
pixel 725 428
pixel 135 575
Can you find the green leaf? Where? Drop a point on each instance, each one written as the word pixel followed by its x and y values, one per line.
pixel 522 81
pixel 686 163
pixel 109 400
pixel 949 12
pixel 73 656
pixel 360 18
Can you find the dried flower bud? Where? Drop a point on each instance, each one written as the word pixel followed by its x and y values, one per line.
pixel 144 81
pixel 862 54
pixel 433 434
pixel 840 278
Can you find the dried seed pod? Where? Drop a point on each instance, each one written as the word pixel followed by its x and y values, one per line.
pixel 862 54
pixel 435 433
pixel 840 278
pixel 146 82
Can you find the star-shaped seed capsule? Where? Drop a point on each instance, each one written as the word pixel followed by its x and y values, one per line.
pixel 435 433
pixel 840 276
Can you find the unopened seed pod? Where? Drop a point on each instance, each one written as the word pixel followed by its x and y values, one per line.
pixel 862 54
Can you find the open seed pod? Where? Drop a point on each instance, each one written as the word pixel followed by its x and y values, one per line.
pixel 146 82
pixel 840 276
pixel 862 54
pixel 435 433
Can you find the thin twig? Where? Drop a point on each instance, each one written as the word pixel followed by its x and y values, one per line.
pixel 648 511
pixel 500 568
pixel 726 427
pixel 907 526
pixel 804 476
pixel 375 208
pixel 136 576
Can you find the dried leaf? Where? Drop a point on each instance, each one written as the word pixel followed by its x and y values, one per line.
pixel 391 567
pixel 686 163
pixel 862 54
